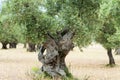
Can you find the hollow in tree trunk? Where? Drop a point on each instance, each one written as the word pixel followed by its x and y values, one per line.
pixel 4 45
pixel 56 51
pixel 31 47
pixel 111 59
pixel 12 45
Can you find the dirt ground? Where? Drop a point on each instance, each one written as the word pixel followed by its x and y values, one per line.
pixel 89 64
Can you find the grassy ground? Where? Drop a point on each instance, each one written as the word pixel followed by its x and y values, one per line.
pixel 90 64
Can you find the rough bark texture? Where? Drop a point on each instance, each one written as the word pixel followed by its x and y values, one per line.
pixel 12 45
pixel 111 59
pixel 56 51
pixel 4 45
pixel 31 47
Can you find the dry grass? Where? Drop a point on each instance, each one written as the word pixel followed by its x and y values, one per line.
pixel 90 64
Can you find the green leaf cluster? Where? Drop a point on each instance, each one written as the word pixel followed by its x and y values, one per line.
pixel 92 20
pixel 109 17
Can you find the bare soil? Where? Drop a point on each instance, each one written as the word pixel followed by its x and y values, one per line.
pixel 90 64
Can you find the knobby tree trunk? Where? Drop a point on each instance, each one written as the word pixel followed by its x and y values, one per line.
pixel 56 51
pixel 12 45
pixel 4 45
pixel 31 47
pixel 111 59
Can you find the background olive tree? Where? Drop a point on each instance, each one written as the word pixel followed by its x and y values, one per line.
pixel 10 33
pixel 31 18
pixel 108 34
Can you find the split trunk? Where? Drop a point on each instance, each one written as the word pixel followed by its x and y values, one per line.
pixel 56 51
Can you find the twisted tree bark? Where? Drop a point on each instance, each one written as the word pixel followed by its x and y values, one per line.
pixel 56 51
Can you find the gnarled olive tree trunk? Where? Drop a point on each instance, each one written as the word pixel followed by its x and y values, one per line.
pixel 56 51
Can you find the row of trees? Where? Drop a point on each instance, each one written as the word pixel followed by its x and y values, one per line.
pixel 28 21
pixel 24 21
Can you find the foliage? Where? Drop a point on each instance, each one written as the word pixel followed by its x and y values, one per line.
pixel 79 15
pixel 10 32
pixel 45 24
pixel 109 35
pixel 30 18
pixel 86 17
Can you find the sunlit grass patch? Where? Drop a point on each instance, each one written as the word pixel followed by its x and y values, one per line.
pixel 111 66
pixel 36 74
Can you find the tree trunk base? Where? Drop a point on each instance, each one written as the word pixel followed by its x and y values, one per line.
pixel 31 47
pixel 12 45
pixel 111 65
pixel 110 56
pixel 4 45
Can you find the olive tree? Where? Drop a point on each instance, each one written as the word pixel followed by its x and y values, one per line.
pixel 79 16
pixel 31 16
pixel 10 33
pixel 108 34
